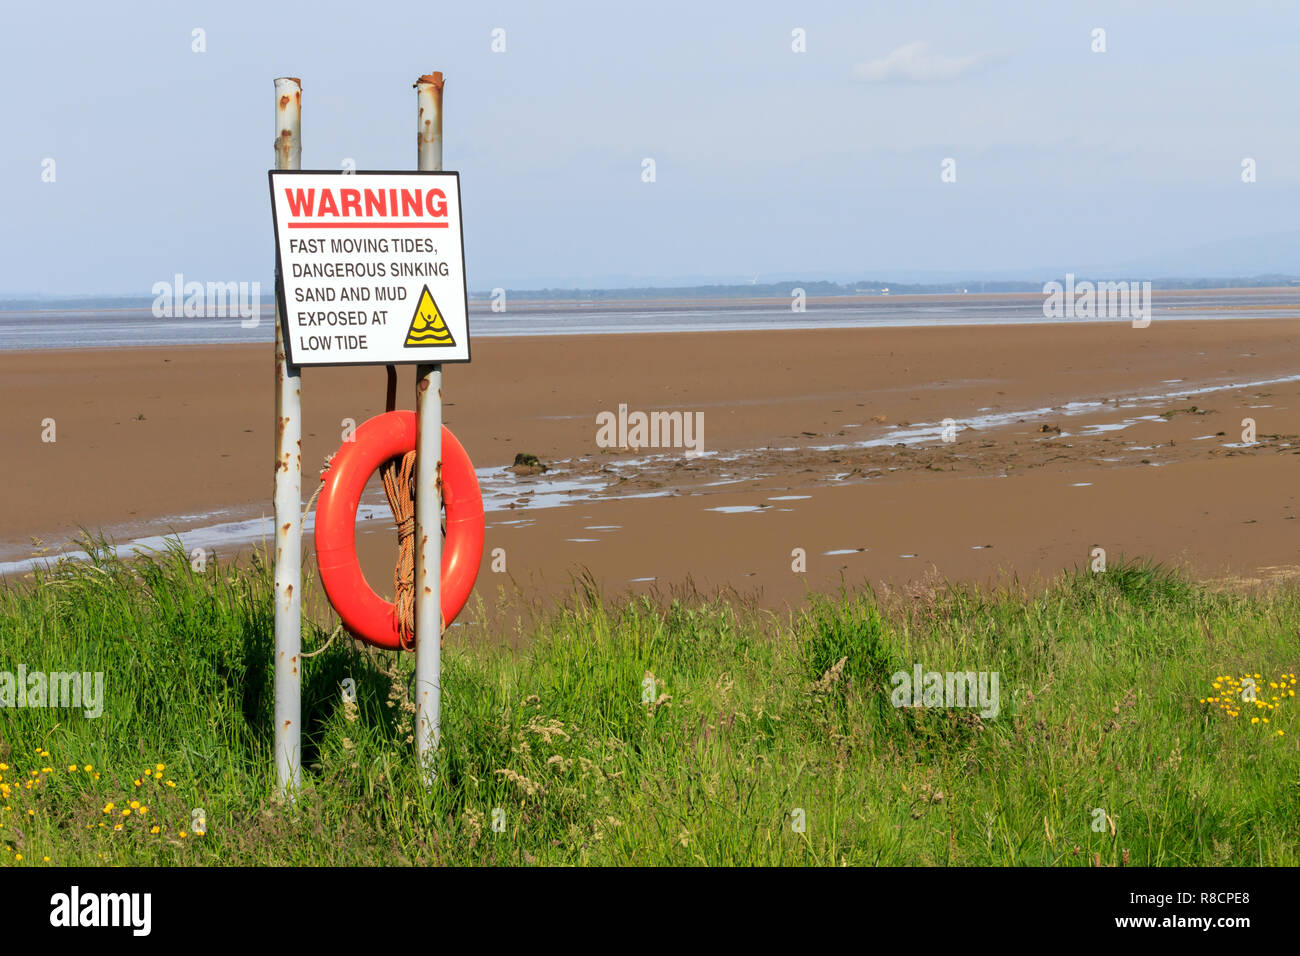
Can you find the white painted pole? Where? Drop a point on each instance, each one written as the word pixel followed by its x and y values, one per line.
pixel 288 491
pixel 428 489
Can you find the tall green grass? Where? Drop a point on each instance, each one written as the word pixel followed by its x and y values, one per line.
pixel 639 732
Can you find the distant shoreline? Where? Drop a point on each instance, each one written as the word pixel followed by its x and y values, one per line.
pixel 737 295
pixel 521 303
pixel 88 329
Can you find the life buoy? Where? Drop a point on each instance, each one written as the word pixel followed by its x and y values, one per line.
pixel 364 613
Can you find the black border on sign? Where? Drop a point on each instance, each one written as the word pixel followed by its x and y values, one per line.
pixel 279 278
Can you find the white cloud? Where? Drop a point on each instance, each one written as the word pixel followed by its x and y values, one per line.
pixel 916 63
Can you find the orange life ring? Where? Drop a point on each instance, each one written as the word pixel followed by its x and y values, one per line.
pixel 364 613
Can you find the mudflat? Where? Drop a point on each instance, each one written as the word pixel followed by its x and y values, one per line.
pixel 888 455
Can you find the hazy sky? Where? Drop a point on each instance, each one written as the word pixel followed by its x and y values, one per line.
pixel 773 163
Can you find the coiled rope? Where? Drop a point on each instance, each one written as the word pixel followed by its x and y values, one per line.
pixel 400 489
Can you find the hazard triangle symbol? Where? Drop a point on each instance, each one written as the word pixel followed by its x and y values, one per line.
pixel 427 325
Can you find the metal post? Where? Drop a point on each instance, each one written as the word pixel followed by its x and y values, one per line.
pixel 428 490
pixel 288 490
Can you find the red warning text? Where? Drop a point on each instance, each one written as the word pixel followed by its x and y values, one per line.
pixel 366 208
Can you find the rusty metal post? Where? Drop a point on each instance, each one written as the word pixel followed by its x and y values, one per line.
pixel 428 490
pixel 288 490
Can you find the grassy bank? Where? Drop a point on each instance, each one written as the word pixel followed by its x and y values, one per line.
pixel 765 740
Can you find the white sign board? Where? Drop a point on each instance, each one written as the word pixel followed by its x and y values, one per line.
pixel 371 267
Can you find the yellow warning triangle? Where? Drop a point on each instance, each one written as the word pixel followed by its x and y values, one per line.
pixel 427 325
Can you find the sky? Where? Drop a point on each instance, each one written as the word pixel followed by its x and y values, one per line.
pixel 769 163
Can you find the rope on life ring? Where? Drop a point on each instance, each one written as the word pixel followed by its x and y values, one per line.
pixel 400 489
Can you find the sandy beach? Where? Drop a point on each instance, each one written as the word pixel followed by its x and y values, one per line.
pixel 1064 438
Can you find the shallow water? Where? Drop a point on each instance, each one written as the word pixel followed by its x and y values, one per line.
pixel 64 327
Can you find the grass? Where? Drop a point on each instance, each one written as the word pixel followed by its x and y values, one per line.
pixel 688 732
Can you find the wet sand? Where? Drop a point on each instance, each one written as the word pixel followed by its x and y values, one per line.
pixel 801 430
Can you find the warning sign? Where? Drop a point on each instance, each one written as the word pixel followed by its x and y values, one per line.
pixel 427 325
pixel 371 267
